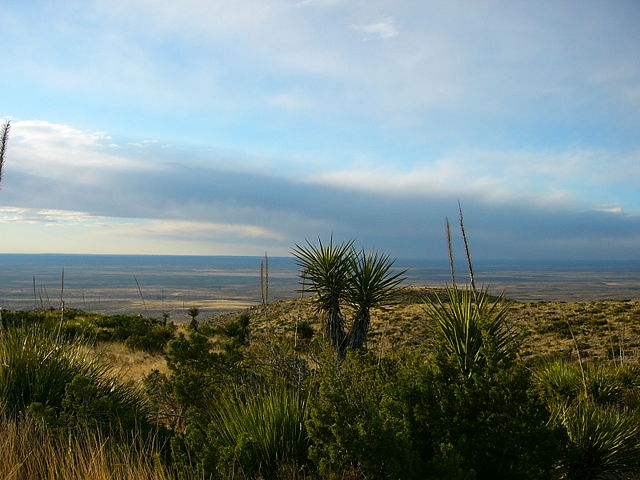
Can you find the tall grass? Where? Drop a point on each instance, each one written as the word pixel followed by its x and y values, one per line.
pixel 30 453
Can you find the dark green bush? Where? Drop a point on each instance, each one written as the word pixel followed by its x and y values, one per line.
pixel 356 424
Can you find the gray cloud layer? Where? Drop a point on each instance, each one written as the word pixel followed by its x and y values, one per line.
pixel 407 224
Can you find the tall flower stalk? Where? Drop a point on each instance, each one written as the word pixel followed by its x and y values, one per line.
pixel 4 138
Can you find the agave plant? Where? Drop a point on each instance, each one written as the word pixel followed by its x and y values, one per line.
pixel 326 270
pixel 471 326
pixel 372 284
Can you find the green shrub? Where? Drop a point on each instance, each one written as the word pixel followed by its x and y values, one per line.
pixel 355 423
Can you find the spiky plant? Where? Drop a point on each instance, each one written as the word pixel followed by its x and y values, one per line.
pixel 604 442
pixel 326 270
pixel 471 327
pixel 39 368
pixel 560 380
pixel 372 284
pixel 261 432
pixel 603 383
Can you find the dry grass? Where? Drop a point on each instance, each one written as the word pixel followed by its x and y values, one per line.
pixel 132 364
pixel 30 453
pixel 603 329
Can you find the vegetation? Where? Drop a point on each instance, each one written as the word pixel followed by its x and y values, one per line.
pixel 339 273
pixel 4 138
pixel 259 395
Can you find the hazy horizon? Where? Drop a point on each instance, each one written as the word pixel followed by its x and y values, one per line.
pixel 235 128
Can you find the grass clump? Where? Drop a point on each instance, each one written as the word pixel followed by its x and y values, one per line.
pixel 31 452
pixel 259 433
pixel 64 382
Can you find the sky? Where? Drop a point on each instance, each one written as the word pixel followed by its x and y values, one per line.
pixel 238 127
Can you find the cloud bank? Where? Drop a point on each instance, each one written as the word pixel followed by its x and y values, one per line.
pixel 60 176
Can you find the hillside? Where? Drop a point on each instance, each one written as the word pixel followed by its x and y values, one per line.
pixel 602 329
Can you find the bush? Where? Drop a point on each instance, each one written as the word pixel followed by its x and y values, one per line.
pixel 356 425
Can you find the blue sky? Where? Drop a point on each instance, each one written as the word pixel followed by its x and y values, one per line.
pixel 235 127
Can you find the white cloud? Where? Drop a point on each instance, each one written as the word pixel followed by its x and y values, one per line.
pixel 571 180
pixel 50 217
pixel 62 151
pixel 200 231
pixel 384 29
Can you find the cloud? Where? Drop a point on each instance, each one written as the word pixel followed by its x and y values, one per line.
pixel 51 217
pixel 60 151
pixel 516 201
pixel 383 30
pixel 544 179
pixel 198 231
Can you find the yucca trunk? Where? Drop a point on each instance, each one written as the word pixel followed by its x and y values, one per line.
pixel 358 335
pixel 334 325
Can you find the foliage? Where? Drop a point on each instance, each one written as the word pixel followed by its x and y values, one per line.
pixel 371 284
pixel 338 273
pixel 326 272
pixel 193 313
pixel 355 425
pixel 597 405
pixel 136 331
pixel 257 433
pixel 604 441
pixel 30 451
pixel 232 335
pixel 471 327
pixel 198 372
pixel 62 383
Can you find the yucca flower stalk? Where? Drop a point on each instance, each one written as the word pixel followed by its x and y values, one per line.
pixel 4 138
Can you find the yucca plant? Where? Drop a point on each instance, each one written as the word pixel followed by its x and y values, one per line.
pixel 602 383
pixel 372 284
pixel 560 379
pixel 604 441
pixel 39 369
pixel 471 327
pixel 326 271
pixel 261 432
